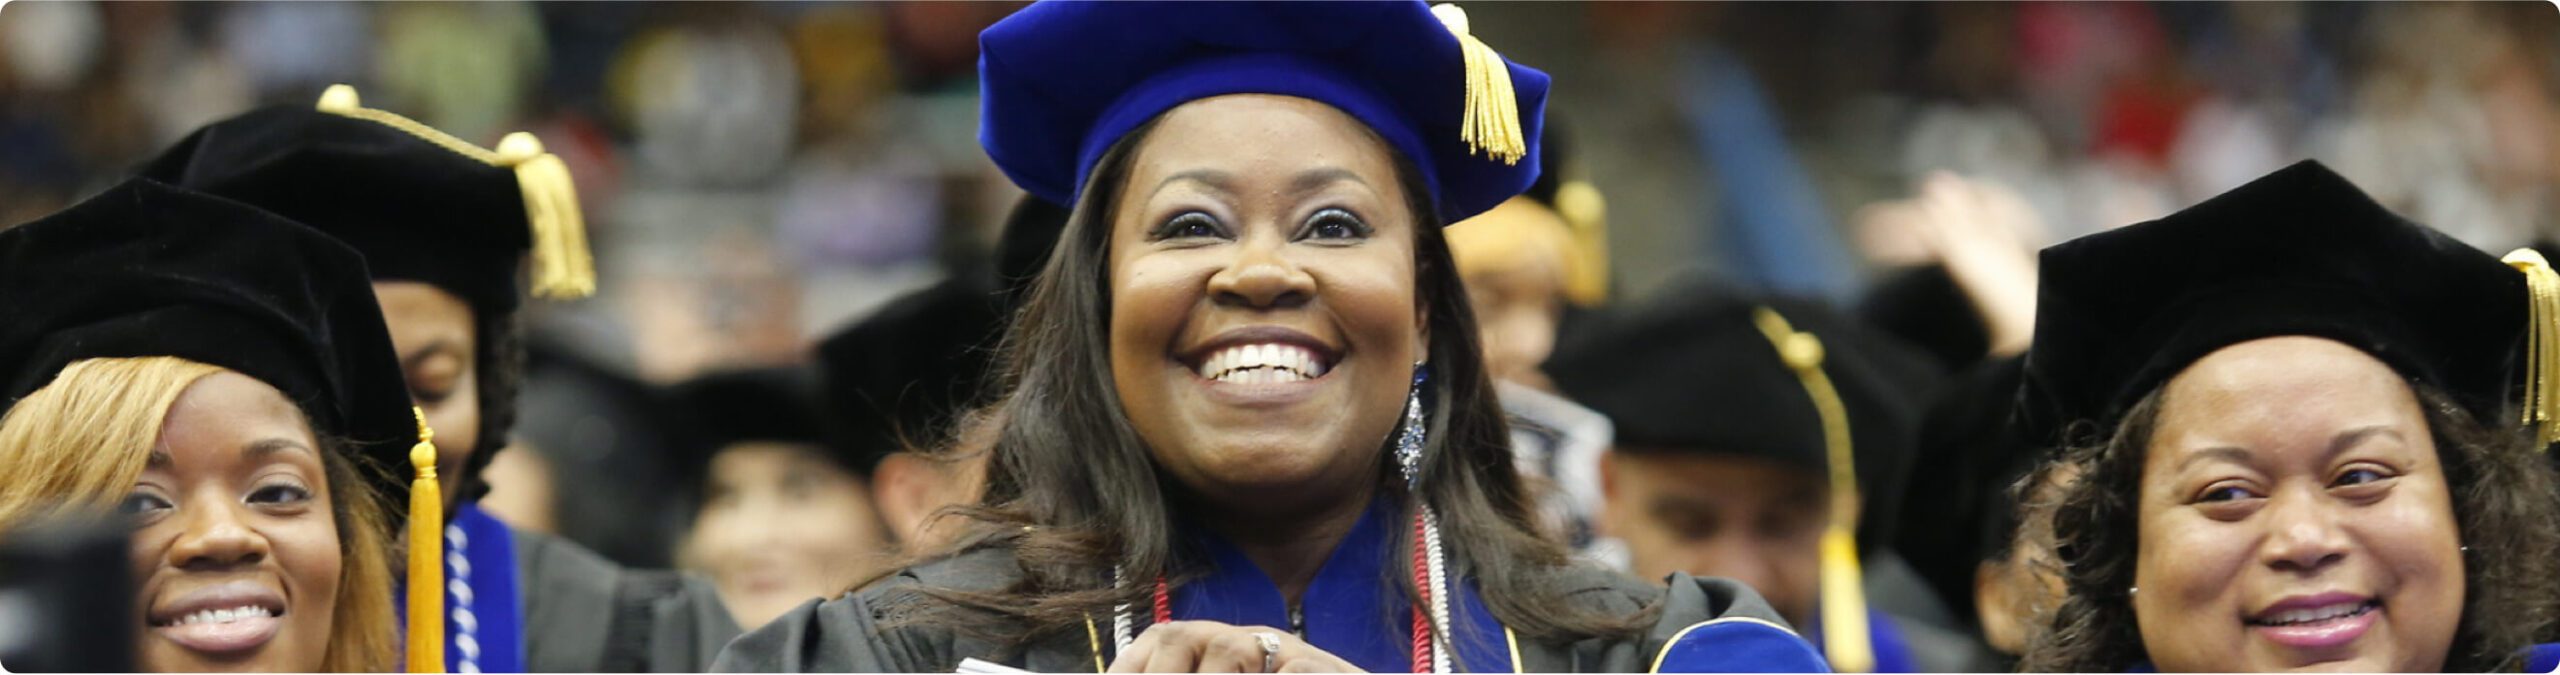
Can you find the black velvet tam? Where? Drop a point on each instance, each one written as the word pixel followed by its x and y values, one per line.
pixel 417 211
pixel 150 270
pixel 774 404
pixel 2297 252
pixel 1689 372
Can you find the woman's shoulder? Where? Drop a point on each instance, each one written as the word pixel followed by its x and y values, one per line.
pixel 861 631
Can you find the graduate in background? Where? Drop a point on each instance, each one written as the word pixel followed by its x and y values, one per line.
pixel 1247 427
pixel 446 227
pixel 220 377
pixel 2293 417
pixel 783 513
pixel 1528 264
pixel 1765 440
pixel 1976 522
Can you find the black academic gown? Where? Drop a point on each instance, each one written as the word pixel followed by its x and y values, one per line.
pixel 1718 624
pixel 585 614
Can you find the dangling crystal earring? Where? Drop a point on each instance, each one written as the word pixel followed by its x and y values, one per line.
pixel 1409 439
pixel 1433 576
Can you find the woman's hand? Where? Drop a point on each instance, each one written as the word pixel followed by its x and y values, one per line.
pixel 1212 647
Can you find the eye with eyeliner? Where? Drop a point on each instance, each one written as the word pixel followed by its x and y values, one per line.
pixel 1335 224
pixel 281 491
pixel 1188 225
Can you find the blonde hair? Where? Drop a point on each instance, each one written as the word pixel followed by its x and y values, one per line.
pixel 50 448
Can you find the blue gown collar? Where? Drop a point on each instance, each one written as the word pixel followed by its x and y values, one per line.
pixel 1355 607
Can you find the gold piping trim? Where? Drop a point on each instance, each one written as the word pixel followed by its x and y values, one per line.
pixel 1684 632
pixel 1514 641
pixel 1093 639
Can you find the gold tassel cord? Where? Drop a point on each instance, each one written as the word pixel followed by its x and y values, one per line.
pixel 426 555
pixel 1844 603
pixel 2542 344
pixel 1491 122
pixel 563 267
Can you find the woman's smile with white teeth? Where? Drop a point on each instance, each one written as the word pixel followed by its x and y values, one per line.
pixel 1262 364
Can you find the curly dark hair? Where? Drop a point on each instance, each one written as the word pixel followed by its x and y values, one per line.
pixel 500 373
pixel 2504 504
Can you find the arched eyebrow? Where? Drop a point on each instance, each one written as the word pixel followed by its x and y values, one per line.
pixel 1316 179
pixel 2339 443
pixel 266 448
pixel 260 450
pixel 1213 179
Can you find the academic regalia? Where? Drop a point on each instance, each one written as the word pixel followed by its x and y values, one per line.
pixel 771 404
pixel 1923 306
pixel 1698 371
pixel 895 380
pixel 1064 82
pixel 1351 612
pixel 424 206
pixel 2298 252
pixel 1968 458
pixel 148 270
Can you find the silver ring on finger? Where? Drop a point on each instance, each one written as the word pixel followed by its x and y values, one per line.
pixel 1270 649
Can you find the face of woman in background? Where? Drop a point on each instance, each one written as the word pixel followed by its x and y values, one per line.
pixel 780 525
pixel 440 357
pixel 235 546
pixel 1516 288
pixel 2294 517
pixel 1264 323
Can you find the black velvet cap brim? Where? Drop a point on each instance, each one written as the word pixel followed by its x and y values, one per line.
pixel 415 210
pixel 1958 510
pixel 2298 252
pixel 773 404
pixel 900 376
pixel 145 269
pixel 1690 373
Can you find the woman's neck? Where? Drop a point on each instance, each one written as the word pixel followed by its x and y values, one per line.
pixel 1291 548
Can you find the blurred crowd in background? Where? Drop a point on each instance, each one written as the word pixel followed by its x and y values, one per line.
pixel 759 174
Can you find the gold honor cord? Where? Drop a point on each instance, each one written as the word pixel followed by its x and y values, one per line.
pixel 2542 344
pixel 426 555
pixel 1844 603
pixel 563 268
pixel 1491 123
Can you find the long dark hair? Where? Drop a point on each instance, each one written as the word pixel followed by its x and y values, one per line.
pixel 2503 501
pixel 1072 492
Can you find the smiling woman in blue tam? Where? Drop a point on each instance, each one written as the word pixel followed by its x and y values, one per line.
pixel 1246 425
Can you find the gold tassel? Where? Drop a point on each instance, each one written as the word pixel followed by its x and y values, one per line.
pixel 563 268
pixel 1492 120
pixel 426 555
pixel 2542 346
pixel 1588 215
pixel 1844 601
